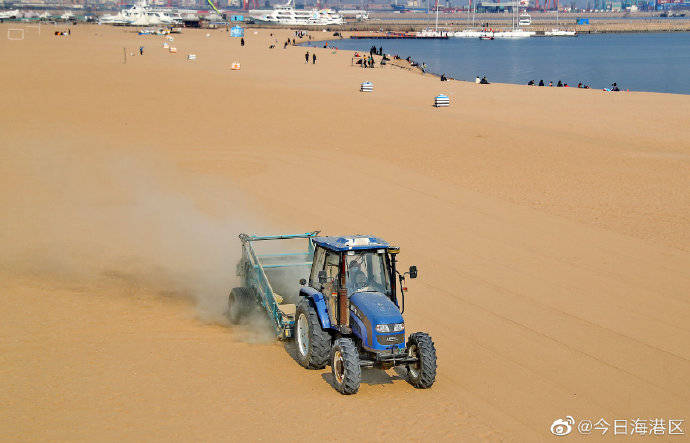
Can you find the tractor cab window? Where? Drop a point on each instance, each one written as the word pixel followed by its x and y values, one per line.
pixel 330 288
pixel 367 272
pixel 333 268
pixel 319 259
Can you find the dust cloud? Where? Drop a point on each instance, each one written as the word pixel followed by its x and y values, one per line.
pixel 126 226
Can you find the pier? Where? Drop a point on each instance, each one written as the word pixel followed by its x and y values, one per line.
pixel 397 36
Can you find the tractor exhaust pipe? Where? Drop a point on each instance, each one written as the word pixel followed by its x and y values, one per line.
pixel 343 301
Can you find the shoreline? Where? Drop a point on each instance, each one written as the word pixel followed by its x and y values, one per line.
pixel 418 69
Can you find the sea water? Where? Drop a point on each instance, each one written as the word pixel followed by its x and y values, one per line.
pixel 658 62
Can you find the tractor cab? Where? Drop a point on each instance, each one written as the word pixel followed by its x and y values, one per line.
pixel 357 278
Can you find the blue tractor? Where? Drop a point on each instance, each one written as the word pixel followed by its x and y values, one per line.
pixel 348 314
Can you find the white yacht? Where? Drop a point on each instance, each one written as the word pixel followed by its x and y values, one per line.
pixel 435 33
pixel 287 15
pixel 514 33
pixel 9 14
pixel 142 15
pixel 525 19
pixel 490 34
pixel 557 32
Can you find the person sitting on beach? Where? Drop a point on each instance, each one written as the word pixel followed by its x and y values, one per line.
pixel 484 81
pixel 444 78
pixel 579 85
pixel 541 82
pixel 551 84
pixel 477 80
pixel 586 86
pixel 559 84
pixel 614 87
pixel 565 85
pixel 530 83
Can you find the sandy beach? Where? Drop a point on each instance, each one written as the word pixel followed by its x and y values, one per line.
pixel 551 228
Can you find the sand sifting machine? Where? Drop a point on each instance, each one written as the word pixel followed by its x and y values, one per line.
pixel 346 312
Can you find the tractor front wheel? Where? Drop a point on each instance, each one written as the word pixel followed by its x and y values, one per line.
pixel 313 343
pixel 345 366
pixel 422 373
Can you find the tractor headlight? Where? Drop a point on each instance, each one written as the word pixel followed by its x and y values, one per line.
pixel 397 327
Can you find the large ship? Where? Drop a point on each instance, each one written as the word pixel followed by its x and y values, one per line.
pixel 287 15
pixel 143 15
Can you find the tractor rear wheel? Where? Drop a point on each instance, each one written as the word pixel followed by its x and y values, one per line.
pixel 313 343
pixel 241 302
pixel 345 366
pixel 421 374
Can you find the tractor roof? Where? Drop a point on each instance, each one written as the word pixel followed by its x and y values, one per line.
pixel 350 243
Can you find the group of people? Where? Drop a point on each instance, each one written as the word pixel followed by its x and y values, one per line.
pixel 560 84
pixel 302 34
pixel 313 58
pixel 374 51
pixel 366 62
pixel 60 33
pixel 481 81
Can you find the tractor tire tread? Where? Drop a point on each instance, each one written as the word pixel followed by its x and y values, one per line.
pixel 319 340
pixel 427 352
pixel 353 371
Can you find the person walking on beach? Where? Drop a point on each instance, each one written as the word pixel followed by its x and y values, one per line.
pixel 242 41
pixel 541 82
pixel 306 57
pixel 141 50
pixel 313 58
